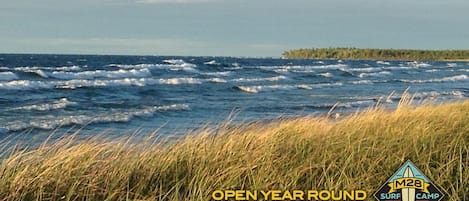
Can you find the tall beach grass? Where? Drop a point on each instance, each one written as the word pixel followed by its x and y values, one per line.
pixel 358 151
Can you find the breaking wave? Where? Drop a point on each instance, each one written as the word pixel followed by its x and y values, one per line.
pixel 58 104
pixel 100 74
pixel 261 88
pixel 52 122
pixel 444 79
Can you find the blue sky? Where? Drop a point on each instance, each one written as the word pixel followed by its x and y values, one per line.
pixel 255 28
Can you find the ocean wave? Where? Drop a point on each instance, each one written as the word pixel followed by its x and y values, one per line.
pixel 73 84
pixel 383 62
pixel 367 69
pixel 178 62
pixel 173 65
pixel 101 74
pixel 218 74
pixel 432 70
pixel 176 81
pixel 261 88
pixel 377 74
pixel 217 80
pixel 452 64
pixel 327 74
pixel 7 76
pixel 58 104
pixel 358 82
pixel 435 94
pixel 300 69
pixel 59 68
pixel 272 79
pixel 52 122
pixel 212 63
pixel 398 68
pixel 351 104
pixel 68 68
pixel 418 64
pixel 444 79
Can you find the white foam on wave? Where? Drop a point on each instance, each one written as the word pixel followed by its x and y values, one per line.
pixel 418 64
pixel 68 68
pixel 383 62
pixel 217 80
pixel 173 65
pixel 26 85
pixel 377 74
pixel 435 94
pixel 40 73
pixel 299 69
pixel 327 74
pixel 73 84
pixel 432 70
pixel 358 82
pixel 272 79
pixel 217 74
pixel 51 122
pixel 7 76
pixel 212 62
pixel 260 88
pixel 398 68
pixel 367 69
pixel 452 64
pixel 444 79
pixel 60 68
pixel 176 81
pixel 58 104
pixel 121 73
pixel 349 104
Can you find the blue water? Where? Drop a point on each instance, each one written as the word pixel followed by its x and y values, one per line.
pixel 118 95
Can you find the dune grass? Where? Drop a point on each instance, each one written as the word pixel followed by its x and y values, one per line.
pixel 359 151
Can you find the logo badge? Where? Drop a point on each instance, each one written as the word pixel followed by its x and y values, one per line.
pixel 409 184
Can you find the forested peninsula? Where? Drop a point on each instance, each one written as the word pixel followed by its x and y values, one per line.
pixel 377 54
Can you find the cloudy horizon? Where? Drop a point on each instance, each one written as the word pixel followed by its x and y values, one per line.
pixel 261 28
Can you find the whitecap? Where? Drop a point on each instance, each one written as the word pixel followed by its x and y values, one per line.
pixel 452 64
pixel 358 82
pixel 444 79
pixel 101 74
pixel 259 88
pixel 58 104
pixel 51 122
pixel 217 74
pixel 69 68
pixel 212 62
pixel 418 64
pixel 377 74
pixel 217 80
pixel 383 62
pixel 327 74
pixel 367 69
pixel 80 83
pixel 272 79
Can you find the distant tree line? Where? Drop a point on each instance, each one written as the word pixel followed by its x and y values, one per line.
pixel 378 54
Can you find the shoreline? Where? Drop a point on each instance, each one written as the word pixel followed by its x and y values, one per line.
pixel 287 154
pixel 377 54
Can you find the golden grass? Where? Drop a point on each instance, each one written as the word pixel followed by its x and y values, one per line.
pixel 359 151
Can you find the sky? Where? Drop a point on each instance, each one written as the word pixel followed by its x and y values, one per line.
pixel 251 28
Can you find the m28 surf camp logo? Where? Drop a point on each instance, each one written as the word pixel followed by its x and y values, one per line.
pixel 409 184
